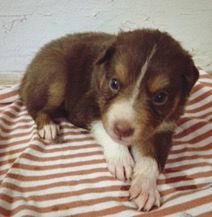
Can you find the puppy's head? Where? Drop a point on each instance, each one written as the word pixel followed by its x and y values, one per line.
pixel 142 80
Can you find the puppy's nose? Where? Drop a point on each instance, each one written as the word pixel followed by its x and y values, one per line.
pixel 123 129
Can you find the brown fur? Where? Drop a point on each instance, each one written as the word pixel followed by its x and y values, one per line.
pixel 74 72
pixel 158 83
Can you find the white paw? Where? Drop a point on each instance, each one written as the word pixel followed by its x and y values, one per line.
pixel 49 131
pixel 143 189
pixel 144 193
pixel 120 162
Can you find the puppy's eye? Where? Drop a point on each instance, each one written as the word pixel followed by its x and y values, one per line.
pixel 114 85
pixel 160 98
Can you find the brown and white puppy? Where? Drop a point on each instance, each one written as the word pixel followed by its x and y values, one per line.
pixel 128 89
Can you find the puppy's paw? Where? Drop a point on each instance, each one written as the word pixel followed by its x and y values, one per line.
pixel 49 132
pixel 144 190
pixel 144 193
pixel 120 162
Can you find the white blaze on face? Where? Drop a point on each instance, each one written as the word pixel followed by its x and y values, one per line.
pixel 142 74
pixel 123 109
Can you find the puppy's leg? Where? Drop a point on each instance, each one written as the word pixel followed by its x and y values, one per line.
pixel 146 171
pixel 144 187
pixel 119 160
pixel 43 88
pixel 41 103
pixel 47 129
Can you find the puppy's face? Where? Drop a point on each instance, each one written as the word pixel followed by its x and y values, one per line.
pixel 142 82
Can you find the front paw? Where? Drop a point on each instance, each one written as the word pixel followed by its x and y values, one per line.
pixel 120 162
pixel 144 193
pixel 143 190
pixel 49 132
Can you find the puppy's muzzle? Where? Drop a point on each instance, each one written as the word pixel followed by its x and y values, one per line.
pixel 123 129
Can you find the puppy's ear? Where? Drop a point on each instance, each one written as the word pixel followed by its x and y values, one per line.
pixel 106 55
pixel 190 77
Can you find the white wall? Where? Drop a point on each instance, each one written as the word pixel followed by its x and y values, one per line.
pixel 25 25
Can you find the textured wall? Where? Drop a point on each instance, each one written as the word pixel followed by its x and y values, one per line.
pixel 25 25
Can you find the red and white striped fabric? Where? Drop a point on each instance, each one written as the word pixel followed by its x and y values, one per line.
pixel 71 178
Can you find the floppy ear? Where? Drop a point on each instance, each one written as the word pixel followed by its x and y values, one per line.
pixel 190 77
pixel 106 55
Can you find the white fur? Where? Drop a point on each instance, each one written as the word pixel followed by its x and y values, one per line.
pixel 143 72
pixel 143 188
pixel 120 110
pixel 119 160
pixel 49 131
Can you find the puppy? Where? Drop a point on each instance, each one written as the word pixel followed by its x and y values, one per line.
pixel 128 89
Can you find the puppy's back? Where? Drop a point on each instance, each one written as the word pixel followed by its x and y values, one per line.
pixel 59 66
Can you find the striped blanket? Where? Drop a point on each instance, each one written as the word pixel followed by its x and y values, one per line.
pixel 71 178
